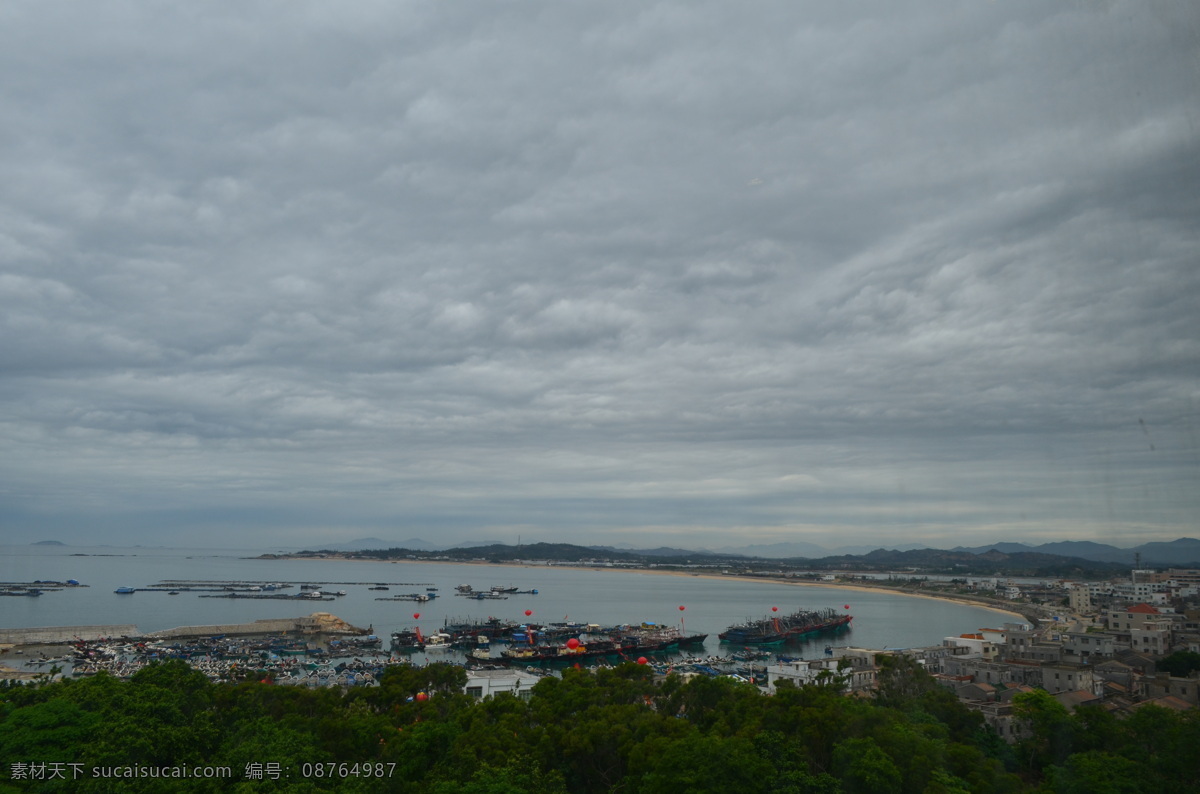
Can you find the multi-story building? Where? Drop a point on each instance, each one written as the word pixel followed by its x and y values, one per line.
pixel 1162 685
pixel 1118 618
pixel 1183 576
pixel 1144 592
pixel 976 644
pixel 1064 677
pixel 1088 647
pixel 1154 637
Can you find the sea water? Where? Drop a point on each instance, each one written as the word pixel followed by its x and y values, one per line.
pixel 597 595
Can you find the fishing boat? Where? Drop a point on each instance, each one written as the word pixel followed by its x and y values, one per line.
pixel 125 590
pixel 466 630
pixel 537 654
pixel 776 630
pixel 406 641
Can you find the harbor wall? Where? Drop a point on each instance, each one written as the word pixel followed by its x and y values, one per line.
pixel 56 634
pixel 317 623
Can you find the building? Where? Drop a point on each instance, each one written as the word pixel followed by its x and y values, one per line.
pixel 1065 677
pixel 1164 685
pixel 1088 647
pixel 486 683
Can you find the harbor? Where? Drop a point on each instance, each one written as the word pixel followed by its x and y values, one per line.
pixel 324 650
pixel 572 598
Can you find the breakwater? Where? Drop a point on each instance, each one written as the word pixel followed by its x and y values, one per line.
pixel 316 623
pixel 58 634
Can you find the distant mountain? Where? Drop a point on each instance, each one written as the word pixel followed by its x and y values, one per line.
pixel 1005 547
pixel 418 544
pixel 802 549
pixel 888 547
pixel 1006 555
pixel 1180 553
pixel 989 562
pixel 662 551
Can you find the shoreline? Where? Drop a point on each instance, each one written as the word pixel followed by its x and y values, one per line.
pixel 982 602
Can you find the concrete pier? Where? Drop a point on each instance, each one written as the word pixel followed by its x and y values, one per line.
pixel 316 623
pixel 60 634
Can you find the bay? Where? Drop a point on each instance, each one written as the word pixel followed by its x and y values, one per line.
pixel 605 596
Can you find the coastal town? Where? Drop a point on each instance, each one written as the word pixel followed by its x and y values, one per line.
pixel 1095 643
pixel 1082 642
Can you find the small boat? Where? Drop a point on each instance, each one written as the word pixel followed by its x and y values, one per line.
pixel 173 592
pixel 125 590
pixel 437 642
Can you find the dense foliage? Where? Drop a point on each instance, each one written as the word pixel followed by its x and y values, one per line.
pixel 612 730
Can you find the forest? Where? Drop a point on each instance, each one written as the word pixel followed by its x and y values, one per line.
pixel 609 730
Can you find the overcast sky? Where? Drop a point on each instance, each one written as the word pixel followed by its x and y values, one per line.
pixel 697 274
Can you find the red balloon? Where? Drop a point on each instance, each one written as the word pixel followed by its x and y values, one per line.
pixel 845 606
pixel 416 615
pixel 643 660
pixel 528 612
pixel 681 608
pixel 774 609
pixel 422 696
pixel 572 643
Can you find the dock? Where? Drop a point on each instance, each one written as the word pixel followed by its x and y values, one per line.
pixel 53 635
pixel 316 623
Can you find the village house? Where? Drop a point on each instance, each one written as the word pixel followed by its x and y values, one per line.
pixel 482 684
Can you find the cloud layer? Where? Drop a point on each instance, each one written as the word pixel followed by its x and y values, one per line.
pixel 631 272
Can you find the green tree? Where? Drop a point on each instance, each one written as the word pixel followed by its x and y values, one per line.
pixel 863 767
pixel 521 775
pixel 1099 773
pixel 1053 730
pixel 708 763
pixel 52 731
pixel 1180 663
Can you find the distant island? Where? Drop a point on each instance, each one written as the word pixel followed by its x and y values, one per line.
pixel 48 543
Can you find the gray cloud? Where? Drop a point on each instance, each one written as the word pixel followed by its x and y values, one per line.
pixel 667 272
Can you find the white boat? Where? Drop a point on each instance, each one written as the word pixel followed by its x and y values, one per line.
pixel 437 642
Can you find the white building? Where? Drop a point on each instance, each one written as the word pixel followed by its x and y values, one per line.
pixel 485 683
